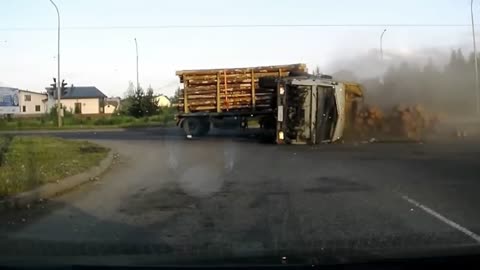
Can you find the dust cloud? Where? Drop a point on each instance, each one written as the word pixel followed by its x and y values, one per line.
pixel 440 80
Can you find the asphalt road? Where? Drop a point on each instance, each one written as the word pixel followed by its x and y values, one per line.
pixel 233 196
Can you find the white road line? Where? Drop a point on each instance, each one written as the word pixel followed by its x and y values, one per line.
pixel 445 220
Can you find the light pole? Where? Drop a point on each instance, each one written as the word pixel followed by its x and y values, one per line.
pixel 136 49
pixel 477 94
pixel 59 82
pixel 381 43
pixel 381 57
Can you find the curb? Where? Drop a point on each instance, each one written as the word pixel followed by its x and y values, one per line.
pixel 50 190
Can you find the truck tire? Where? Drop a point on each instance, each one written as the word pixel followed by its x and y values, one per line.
pixel 196 126
pixel 205 127
pixel 192 126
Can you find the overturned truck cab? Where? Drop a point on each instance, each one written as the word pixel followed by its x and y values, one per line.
pixel 310 109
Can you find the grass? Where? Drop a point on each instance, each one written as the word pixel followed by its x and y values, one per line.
pixel 73 122
pixel 32 161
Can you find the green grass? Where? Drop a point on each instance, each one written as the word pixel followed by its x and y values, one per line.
pixel 73 122
pixel 31 161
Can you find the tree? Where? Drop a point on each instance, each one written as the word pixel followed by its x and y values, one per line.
pixel 176 97
pixel 457 62
pixel 130 90
pixel 461 62
pixel 151 106
pixel 137 106
pixel 316 71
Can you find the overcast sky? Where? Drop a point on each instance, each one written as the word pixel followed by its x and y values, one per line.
pixel 98 36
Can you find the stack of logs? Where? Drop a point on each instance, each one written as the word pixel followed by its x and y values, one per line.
pixel 221 90
pixel 411 122
pixel 402 122
pixel 369 121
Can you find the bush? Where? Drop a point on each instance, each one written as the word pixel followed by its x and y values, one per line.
pixel 129 119
pixel 103 121
pixel 68 121
pixel 156 118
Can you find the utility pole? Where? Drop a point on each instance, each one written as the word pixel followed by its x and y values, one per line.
pixel 59 116
pixel 477 94
pixel 136 49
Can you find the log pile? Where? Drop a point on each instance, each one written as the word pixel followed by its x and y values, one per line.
pixel 411 122
pixel 402 122
pixel 369 122
pixel 221 90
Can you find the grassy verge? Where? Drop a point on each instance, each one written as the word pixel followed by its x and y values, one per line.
pixel 31 161
pixel 87 123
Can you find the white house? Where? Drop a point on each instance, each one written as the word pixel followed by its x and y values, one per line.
pixel 80 99
pixel 19 102
pixel 32 103
pixel 112 105
pixel 163 101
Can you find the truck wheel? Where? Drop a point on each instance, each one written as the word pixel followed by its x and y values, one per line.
pixel 205 127
pixel 192 127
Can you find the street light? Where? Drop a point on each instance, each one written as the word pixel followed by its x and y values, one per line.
pixel 475 61
pixel 381 43
pixel 136 49
pixel 59 117
pixel 381 56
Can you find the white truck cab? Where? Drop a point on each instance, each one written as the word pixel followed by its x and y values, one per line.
pixel 310 110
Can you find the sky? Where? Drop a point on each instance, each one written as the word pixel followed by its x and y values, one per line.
pixel 98 48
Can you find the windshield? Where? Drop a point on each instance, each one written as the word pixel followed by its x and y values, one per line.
pixel 220 131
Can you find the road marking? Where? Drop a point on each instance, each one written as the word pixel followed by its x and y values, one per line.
pixel 445 220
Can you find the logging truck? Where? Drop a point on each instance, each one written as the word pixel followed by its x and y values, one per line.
pixel 290 104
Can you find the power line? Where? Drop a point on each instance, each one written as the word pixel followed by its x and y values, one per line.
pixel 155 27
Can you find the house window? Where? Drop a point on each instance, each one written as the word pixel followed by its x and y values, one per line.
pixel 37 108
pixel 28 98
pixel 24 108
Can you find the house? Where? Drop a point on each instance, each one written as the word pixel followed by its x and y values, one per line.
pixel 32 103
pixel 80 99
pixel 22 102
pixel 112 105
pixel 163 101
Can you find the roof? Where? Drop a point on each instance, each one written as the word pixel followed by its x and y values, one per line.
pixel 32 92
pixel 112 102
pixel 75 92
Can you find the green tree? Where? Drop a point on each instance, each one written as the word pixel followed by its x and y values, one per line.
pixel 130 90
pixel 176 97
pixel 151 106
pixel 137 106
pixel 127 100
